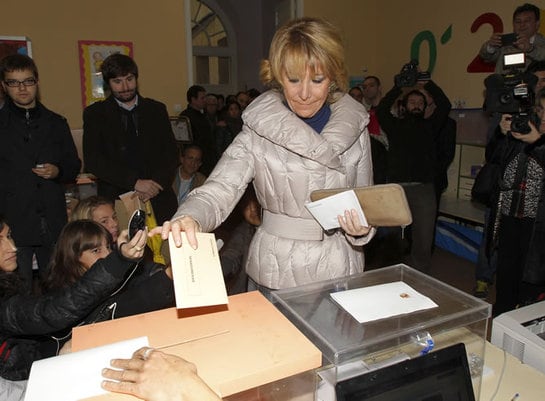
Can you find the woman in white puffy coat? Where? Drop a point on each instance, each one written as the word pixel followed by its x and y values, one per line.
pixel 304 134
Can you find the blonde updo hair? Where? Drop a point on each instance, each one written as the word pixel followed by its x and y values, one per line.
pixel 302 43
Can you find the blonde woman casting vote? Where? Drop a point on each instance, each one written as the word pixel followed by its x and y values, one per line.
pixel 304 134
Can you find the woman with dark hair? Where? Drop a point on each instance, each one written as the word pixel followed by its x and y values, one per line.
pixel 517 218
pixel 81 243
pixel 24 320
pixel 229 125
pixel 10 283
pixel 81 246
pixel 73 254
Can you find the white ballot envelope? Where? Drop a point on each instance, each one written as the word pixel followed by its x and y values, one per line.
pixel 77 375
pixel 394 298
pixel 326 210
pixel 198 278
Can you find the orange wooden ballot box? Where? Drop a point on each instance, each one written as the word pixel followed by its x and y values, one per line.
pixel 236 347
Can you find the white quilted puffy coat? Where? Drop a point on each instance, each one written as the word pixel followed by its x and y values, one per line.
pixel 287 160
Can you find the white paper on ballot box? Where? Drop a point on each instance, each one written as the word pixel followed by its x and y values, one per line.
pixel 76 375
pixel 381 301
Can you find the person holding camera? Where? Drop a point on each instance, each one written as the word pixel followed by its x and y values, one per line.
pixel 518 213
pixel 412 154
pixel 525 38
pixel 527 84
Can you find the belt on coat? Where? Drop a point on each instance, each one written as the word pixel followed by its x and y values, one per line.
pixel 292 227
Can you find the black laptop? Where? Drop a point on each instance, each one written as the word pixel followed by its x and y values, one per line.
pixel 442 375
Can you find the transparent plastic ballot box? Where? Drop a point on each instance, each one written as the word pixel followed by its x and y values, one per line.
pixel 350 348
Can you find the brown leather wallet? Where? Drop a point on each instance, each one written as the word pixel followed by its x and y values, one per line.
pixel 384 205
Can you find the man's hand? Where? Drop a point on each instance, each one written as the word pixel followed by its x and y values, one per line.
pixel 495 40
pixel 147 189
pixel 523 43
pixel 47 171
pixel 156 376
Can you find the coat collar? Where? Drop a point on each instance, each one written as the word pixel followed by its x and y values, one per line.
pixel 269 118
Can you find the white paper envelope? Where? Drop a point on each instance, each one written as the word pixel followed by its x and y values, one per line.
pixel 198 278
pixel 76 375
pixel 381 301
pixel 326 210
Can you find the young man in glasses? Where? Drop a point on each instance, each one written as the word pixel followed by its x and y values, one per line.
pixel 128 141
pixel 37 156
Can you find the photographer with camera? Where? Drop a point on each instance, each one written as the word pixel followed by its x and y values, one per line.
pixel 525 38
pixel 517 219
pixel 412 155
pixel 510 94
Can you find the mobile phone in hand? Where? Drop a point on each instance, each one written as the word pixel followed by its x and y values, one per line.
pixel 137 222
pixel 508 39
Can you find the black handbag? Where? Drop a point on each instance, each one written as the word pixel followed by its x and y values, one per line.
pixel 486 184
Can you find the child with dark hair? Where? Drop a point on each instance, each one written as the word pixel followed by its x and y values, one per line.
pixel 83 287
pixel 25 320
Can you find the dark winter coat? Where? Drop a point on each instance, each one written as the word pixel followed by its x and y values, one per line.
pixel 34 206
pixel 412 141
pixel 119 158
pixel 36 328
pixel 25 320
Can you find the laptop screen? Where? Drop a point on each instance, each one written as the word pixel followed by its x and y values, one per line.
pixel 442 375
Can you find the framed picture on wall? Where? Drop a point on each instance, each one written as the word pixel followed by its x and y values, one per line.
pixel 181 127
pixel 15 45
pixel 91 55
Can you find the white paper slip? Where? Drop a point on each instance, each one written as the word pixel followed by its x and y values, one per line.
pixel 198 278
pixel 382 301
pixel 326 210
pixel 77 375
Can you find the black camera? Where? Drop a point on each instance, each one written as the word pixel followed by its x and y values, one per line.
pixel 408 75
pixel 513 93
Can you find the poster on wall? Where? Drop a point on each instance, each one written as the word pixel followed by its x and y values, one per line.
pixel 15 45
pixel 91 55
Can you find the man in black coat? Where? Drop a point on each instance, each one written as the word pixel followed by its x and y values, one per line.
pixel 37 156
pixel 203 134
pixel 128 142
pixel 412 160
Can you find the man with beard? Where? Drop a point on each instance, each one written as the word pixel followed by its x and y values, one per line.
pixel 128 142
pixel 412 160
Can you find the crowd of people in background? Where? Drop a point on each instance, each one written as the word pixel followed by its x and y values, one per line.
pixel 253 160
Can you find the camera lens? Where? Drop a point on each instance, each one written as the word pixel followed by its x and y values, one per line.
pixel 505 98
pixel 519 123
